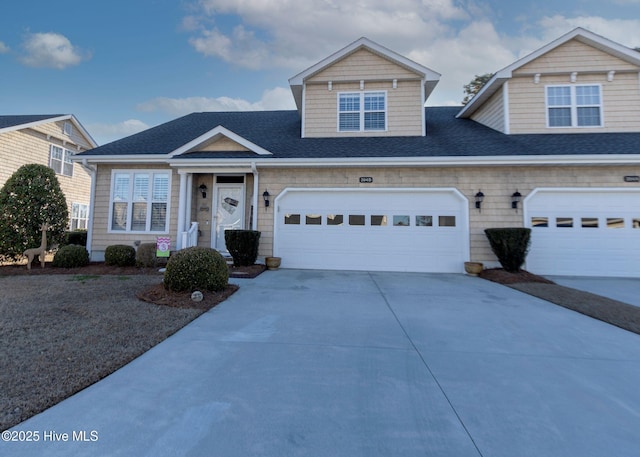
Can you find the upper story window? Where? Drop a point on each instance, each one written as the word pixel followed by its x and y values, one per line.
pixel 574 106
pixel 139 201
pixel 60 161
pixel 362 111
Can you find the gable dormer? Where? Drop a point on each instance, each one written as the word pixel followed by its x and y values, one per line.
pixel 579 83
pixel 363 90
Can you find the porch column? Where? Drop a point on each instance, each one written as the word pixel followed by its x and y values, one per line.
pixel 182 208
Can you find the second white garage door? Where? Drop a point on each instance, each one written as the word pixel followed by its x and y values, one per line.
pixel 584 232
pixel 422 230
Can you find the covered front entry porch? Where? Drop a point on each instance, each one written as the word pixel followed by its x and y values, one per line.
pixel 212 201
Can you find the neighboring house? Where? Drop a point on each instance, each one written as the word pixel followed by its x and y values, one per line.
pixel 363 177
pixel 50 140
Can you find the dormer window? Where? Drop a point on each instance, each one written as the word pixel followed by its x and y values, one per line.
pixel 574 106
pixel 362 111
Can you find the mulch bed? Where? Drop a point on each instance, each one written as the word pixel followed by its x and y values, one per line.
pixel 605 309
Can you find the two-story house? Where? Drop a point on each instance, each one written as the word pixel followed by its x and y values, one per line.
pixel 50 140
pixel 362 176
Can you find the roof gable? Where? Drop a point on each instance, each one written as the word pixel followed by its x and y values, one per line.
pixel 429 77
pixel 578 34
pixel 19 122
pixel 206 142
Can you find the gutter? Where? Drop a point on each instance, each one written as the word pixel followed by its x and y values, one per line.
pixel 92 199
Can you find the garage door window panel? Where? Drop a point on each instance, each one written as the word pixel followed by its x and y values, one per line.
pixel 313 219
pixel 424 221
pixel 564 222
pixel 615 222
pixel 589 222
pixel 539 222
pixel 446 221
pixel 636 223
pixel 292 219
pixel 356 219
pixel 335 219
pixel 378 220
pixel 401 221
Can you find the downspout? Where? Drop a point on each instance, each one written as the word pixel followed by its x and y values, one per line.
pixel 92 198
pixel 254 198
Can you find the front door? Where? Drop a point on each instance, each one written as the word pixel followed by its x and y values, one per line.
pixel 229 212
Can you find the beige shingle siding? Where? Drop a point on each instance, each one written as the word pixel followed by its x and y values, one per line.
pixel 497 183
pixel 101 236
pixel 492 113
pixel 574 56
pixel 31 145
pixel 404 104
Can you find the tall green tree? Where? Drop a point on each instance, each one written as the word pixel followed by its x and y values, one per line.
pixel 31 197
pixel 474 86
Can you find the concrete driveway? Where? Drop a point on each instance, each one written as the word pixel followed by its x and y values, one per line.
pixel 317 363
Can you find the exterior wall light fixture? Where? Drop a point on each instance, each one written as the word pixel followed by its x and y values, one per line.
pixel 203 190
pixel 515 199
pixel 479 199
pixel 265 197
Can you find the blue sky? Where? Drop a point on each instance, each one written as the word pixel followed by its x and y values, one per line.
pixel 123 66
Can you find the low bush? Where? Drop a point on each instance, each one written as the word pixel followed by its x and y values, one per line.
pixel 78 237
pixel 71 256
pixel 243 246
pixel 510 245
pixel 120 255
pixel 196 268
pixel 146 255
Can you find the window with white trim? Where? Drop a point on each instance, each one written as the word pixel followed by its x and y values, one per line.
pixel 362 111
pixel 60 160
pixel 574 106
pixel 139 201
pixel 79 216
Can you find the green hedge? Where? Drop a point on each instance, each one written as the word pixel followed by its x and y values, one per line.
pixel 71 256
pixel 243 246
pixel 510 245
pixel 120 255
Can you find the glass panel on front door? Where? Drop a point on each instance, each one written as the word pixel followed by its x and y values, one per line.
pixel 229 213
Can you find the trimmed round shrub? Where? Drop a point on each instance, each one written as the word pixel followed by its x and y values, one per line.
pixel 196 268
pixel 71 256
pixel 146 255
pixel 120 255
pixel 243 246
pixel 510 245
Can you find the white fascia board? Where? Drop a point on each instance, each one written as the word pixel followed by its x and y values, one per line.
pixel 35 123
pixel 220 130
pixel 129 158
pixel 462 161
pixel 84 131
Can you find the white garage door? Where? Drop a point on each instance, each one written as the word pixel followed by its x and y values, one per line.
pixel 422 230
pixel 584 232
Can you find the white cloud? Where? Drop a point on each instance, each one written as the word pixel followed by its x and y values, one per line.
pixel 623 31
pixel 51 50
pixel 104 133
pixel 274 99
pixel 3 48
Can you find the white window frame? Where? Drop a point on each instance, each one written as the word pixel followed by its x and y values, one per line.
pixel 573 106
pixel 67 128
pixel 362 95
pixel 130 199
pixel 64 165
pixel 79 214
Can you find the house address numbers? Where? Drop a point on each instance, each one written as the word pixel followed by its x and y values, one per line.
pixel 366 179
pixel 632 179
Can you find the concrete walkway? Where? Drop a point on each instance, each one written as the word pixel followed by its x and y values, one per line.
pixel 626 290
pixel 316 363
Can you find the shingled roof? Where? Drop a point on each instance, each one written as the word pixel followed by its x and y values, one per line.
pixel 279 133
pixel 18 120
